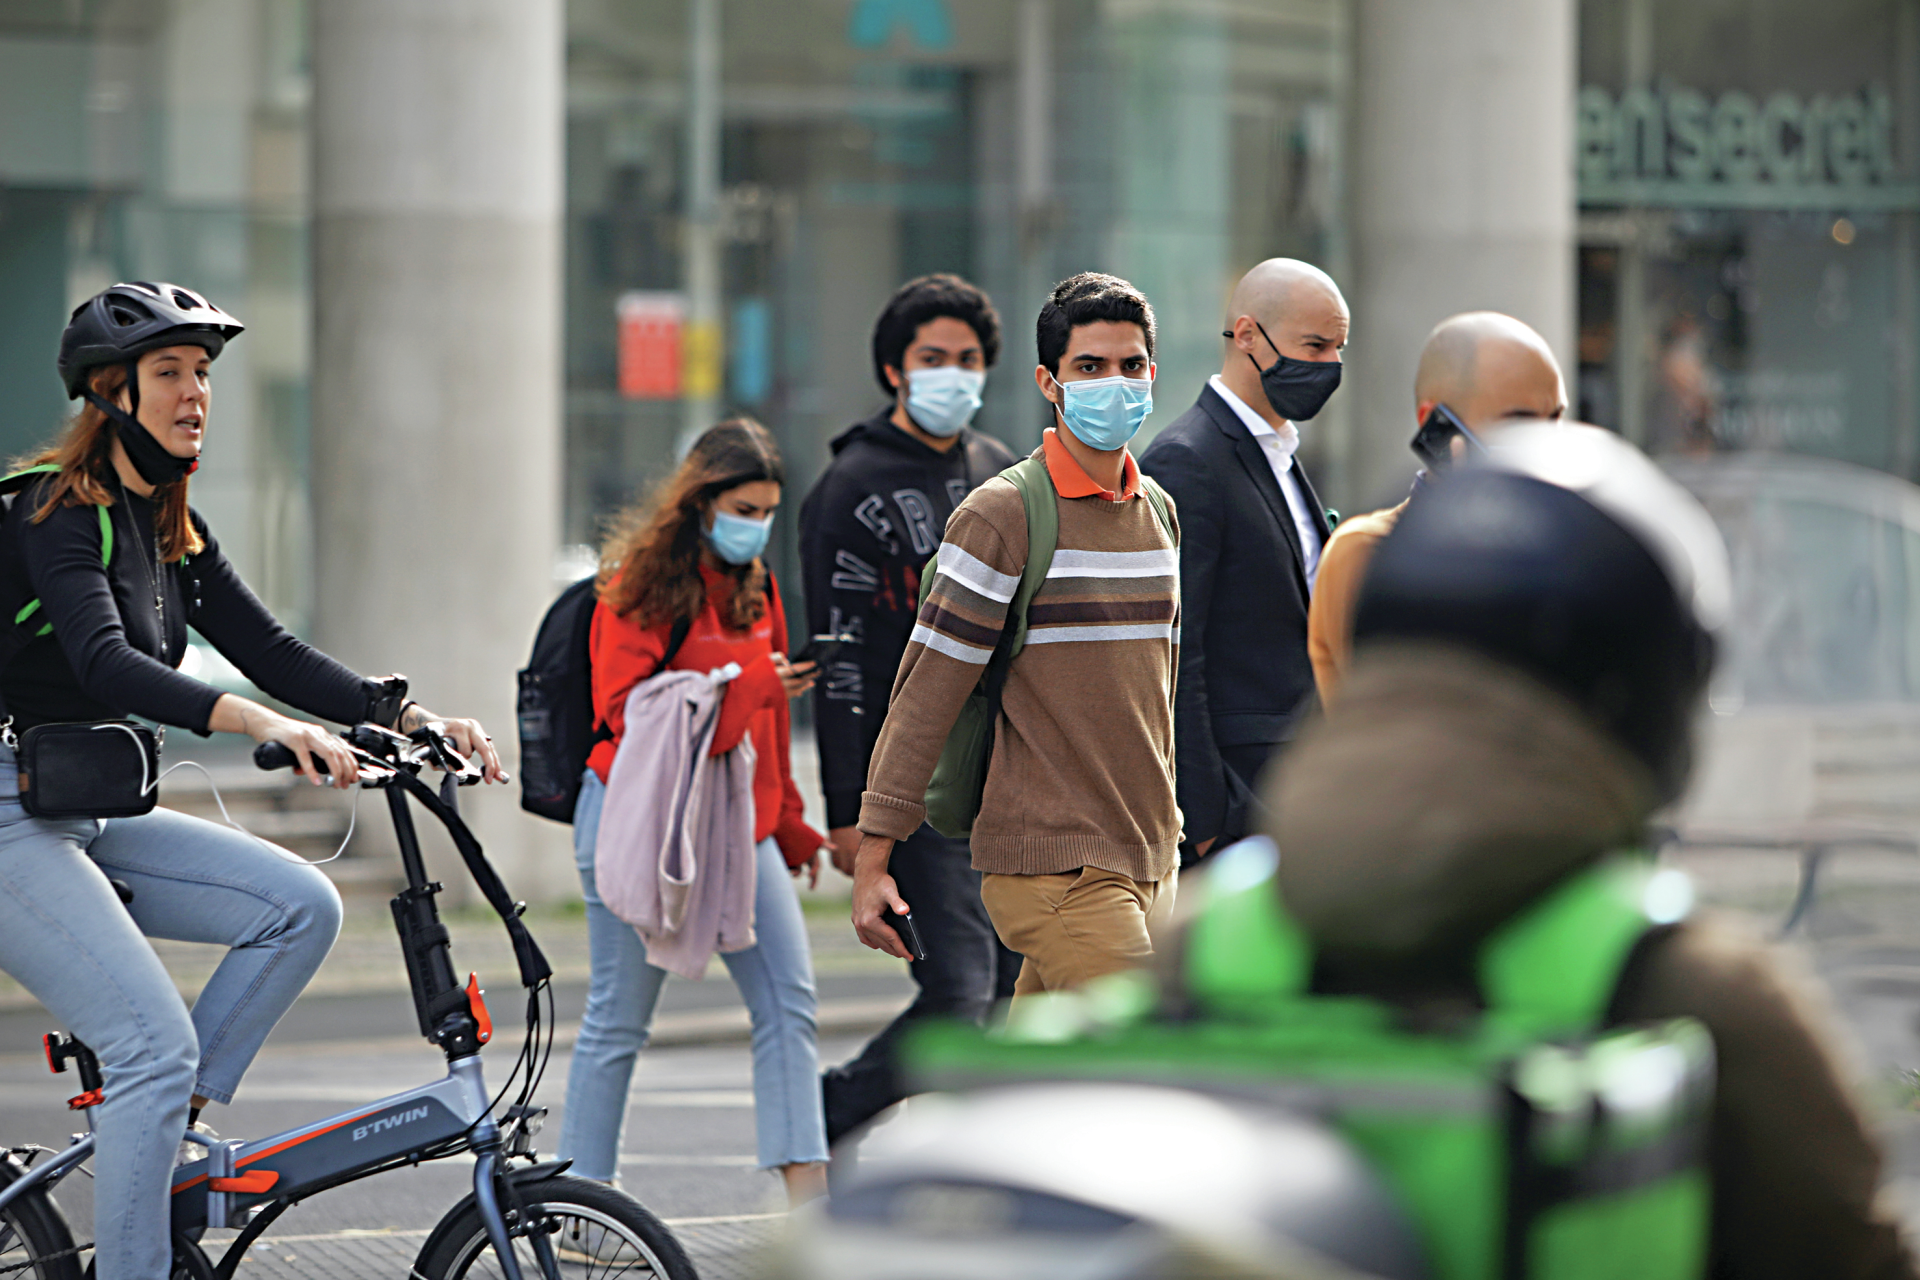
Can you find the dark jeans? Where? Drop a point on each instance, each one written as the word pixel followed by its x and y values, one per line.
pixel 965 973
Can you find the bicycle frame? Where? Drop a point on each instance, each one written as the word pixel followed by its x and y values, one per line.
pixel 247 1183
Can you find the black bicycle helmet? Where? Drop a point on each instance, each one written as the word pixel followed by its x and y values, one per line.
pixel 1570 555
pixel 119 324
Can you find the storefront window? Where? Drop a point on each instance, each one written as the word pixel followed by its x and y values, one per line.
pixel 167 141
pixel 1748 270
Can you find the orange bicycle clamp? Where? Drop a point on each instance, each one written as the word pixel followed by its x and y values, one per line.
pixel 91 1098
pixel 251 1183
pixel 476 1001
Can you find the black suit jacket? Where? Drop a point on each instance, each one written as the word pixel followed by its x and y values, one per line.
pixel 1244 674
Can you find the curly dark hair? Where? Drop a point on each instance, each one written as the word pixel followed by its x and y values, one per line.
pixel 1088 298
pixel 650 561
pixel 928 298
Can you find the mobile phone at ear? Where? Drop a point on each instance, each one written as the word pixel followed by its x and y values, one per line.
pixel 1433 442
pixel 821 649
pixel 903 925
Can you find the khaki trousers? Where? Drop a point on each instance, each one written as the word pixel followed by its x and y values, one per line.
pixel 1076 926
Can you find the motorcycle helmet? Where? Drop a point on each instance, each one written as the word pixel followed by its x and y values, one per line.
pixel 1567 553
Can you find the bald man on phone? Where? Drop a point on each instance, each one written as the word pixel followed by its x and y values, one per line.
pixel 1485 369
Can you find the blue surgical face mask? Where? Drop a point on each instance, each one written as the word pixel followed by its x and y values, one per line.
pixel 942 401
pixel 736 539
pixel 1104 413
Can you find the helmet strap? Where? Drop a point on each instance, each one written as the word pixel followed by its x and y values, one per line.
pixel 149 457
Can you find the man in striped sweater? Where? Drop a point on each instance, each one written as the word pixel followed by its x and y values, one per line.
pixel 1078 829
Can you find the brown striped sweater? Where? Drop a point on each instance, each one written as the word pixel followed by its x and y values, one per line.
pixel 1082 771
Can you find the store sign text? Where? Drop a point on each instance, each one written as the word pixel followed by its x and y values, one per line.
pixel 1678 138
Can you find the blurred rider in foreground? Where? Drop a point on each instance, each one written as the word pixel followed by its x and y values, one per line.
pixel 1532 644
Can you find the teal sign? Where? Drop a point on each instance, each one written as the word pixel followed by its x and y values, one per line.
pixel 873 23
pixel 1678 147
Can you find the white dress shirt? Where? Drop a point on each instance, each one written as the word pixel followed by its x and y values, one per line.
pixel 1279 450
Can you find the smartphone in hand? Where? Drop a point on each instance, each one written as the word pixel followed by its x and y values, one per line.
pixel 903 925
pixel 821 649
pixel 1433 443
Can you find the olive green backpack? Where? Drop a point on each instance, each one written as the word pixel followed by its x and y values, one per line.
pixel 960 775
pixel 1533 1141
pixel 11 486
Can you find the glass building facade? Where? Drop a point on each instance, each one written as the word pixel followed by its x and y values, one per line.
pixel 1012 141
pixel 168 141
pixel 1747 266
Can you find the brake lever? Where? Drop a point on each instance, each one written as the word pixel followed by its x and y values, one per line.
pixel 446 757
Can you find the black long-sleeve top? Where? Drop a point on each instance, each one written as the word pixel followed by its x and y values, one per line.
pixel 109 654
pixel 866 530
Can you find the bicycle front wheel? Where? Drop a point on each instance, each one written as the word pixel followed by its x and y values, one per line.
pixel 599 1232
pixel 34 1240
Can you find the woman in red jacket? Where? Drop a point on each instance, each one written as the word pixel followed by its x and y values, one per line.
pixel 693 553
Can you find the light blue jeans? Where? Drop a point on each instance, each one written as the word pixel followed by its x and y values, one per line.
pixel 775 977
pixel 66 938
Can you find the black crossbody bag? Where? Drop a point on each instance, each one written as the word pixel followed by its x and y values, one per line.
pixel 98 769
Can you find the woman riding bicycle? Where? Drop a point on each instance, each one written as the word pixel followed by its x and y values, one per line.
pixel 105 642
pixel 691 557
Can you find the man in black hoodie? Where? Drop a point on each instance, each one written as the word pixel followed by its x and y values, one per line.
pixel 866 530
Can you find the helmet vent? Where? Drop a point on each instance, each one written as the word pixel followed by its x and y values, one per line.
pixel 127 314
pixel 186 301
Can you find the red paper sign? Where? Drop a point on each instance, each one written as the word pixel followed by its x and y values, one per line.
pixel 650 333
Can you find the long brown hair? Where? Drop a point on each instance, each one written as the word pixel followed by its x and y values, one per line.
pixel 84 454
pixel 650 561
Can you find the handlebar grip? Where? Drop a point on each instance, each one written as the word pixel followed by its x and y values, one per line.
pixel 278 755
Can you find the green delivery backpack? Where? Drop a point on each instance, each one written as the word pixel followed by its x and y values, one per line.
pixel 1533 1143
pixel 960 775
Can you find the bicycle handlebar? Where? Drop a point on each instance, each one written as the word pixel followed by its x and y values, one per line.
pixel 380 752
pixel 278 755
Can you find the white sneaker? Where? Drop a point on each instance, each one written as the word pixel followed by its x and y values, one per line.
pixel 191 1151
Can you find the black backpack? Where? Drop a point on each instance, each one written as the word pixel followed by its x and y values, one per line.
pixel 556 703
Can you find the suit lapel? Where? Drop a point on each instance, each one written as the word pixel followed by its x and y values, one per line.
pixel 1317 507
pixel 1253 460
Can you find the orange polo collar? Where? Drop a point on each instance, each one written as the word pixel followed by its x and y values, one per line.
pixel 1071 480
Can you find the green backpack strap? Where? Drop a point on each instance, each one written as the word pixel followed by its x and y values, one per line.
pixel 1162 506
pixel 12 484
pixel 1553 969
pixel 1029 476
pixel 1241 945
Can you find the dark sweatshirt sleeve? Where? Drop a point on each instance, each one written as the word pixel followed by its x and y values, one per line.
pixel 841 563
pixel 234 621
pixel 63 564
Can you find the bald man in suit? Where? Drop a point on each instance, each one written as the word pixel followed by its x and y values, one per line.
pixel 1252 531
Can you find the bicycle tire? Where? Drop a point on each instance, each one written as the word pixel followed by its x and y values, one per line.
pixel 608 1231
pixel 35 1241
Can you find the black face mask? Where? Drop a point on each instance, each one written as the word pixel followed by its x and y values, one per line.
pixel 1297 389
pixel 149 457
